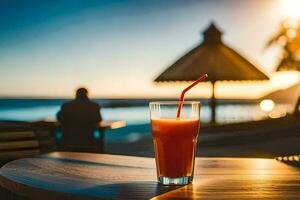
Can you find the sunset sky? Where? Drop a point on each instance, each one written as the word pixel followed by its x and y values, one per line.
pixel 117 48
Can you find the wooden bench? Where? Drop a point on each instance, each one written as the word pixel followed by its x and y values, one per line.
pixel 23 143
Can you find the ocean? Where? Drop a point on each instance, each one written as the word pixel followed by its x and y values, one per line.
pixel 134 111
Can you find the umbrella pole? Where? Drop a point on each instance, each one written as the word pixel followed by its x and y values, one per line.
pixel 213 104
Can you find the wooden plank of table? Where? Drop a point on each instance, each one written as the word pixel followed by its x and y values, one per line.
pixel 12 145
pixel 65 175
pixel 110 124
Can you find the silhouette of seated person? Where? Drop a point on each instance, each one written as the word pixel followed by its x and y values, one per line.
pixel 79 120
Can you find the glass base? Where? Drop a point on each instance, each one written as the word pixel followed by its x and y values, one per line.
pixel 175 181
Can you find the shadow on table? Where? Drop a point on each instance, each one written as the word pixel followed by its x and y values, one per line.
pixel 81 162
pixel 125 190
pixel 131 190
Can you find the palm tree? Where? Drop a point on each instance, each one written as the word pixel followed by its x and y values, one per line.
pixel 288 38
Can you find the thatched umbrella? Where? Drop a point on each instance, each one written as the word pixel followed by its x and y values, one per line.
pixel 213 57
pixel 286 65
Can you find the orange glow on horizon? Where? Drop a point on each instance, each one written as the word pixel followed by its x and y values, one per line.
pixel 149 89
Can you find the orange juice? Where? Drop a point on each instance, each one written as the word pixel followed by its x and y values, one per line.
pixel 175 143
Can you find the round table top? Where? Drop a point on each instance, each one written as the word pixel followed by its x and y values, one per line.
pixel 67 175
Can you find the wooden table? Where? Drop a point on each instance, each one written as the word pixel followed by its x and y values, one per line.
pixel 102 126
pixel 68 175
pixel 108 125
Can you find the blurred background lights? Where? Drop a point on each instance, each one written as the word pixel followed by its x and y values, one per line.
pixel 267 105
pixel 277 114
pixel 290 8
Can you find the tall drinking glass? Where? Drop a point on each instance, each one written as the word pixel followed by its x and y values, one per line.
pixel 175 140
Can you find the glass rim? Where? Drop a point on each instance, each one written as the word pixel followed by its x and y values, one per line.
pixel 173 103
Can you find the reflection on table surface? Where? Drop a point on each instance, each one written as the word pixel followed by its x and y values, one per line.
pixel 106 176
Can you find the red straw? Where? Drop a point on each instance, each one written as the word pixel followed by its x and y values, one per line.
pixel 200 79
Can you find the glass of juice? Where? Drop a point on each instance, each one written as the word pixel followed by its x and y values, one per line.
pixel 175 140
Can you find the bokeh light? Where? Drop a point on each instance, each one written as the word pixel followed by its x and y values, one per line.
pixel 267 105
pixel 290 8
